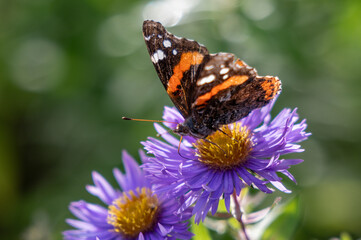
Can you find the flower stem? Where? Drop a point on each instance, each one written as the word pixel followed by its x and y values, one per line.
pixel 238 216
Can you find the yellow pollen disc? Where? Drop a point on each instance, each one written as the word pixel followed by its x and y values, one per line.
pixel 225 150
pixel 133 213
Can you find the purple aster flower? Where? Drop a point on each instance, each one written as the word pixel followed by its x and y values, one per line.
pixel 134 212
pixel 245 153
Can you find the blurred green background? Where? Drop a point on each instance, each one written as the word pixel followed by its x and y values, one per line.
pixel 69 70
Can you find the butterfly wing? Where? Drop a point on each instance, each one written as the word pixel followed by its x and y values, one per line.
pixel 178 62
pixel 228 90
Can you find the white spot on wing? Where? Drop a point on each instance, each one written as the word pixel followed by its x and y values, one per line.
pixel 224 71
pixel 158 55
pixel 161 54
pixel 209 67
pixel 205 80
pixel 225 76
pixel 167 43
pixel 147 38
pixel 160 36
pixel 174 52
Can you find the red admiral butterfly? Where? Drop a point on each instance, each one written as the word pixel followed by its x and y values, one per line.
pixel 209 90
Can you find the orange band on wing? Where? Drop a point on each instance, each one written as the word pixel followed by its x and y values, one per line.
pixel 232 81
pixel 187 60
pixel 271 86
pixel 240 63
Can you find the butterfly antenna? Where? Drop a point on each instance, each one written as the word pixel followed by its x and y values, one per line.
pixel 146 120
pixel 180 142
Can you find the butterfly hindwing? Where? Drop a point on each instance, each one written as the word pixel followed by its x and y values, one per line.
pixel 178 62
pixel 228 90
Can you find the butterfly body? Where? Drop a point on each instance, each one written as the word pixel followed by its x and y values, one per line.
pixel 209 90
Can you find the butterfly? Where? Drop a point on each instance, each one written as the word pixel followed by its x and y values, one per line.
pixel 209 90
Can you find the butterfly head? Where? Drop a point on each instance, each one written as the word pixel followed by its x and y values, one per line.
pixel 181 129
pixel 189 128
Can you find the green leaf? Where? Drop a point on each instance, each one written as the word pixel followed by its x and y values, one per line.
pixel 285 223
pixel 221 206
pixel 200 231
pixel 233 223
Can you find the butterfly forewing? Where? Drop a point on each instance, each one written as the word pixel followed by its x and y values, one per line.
pixel 178 62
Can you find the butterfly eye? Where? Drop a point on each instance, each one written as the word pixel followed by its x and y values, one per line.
pixel 178 128
pixel 181 129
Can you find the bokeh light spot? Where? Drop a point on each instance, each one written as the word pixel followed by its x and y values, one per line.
pixel 258 10
pixel 168 12
pixel 118 36
pixel 37 65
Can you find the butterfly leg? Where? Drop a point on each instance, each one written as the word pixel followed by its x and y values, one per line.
pixel 180 142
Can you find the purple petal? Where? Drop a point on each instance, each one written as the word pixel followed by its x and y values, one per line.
pixel 216 181
pixel 228 186
pixel 141 236
pixel 120 178
pixel 163 230
pixel 102 189
pixel 171 114
pixel 81 225
pixel 227 202
pixel 280 186
pixel 134 175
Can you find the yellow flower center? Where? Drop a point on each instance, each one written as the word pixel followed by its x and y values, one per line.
pixel 133 213
pixel 225 149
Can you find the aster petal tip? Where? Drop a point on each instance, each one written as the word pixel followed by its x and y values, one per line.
pixel 141 236
pixel 143 156
pixel 95 175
